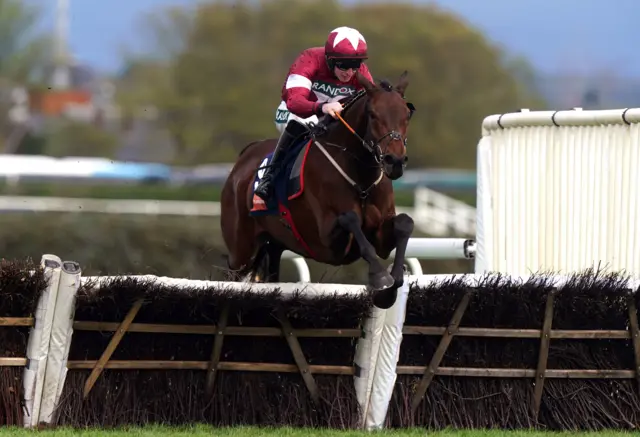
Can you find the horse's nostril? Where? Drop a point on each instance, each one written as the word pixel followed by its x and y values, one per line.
pixel 406 158
pixel 388 159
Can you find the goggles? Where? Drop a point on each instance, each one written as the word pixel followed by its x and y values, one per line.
pixel 347 64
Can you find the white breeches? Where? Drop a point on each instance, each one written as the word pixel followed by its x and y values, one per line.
pixel 283 116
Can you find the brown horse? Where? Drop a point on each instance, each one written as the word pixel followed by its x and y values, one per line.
pixel 346 208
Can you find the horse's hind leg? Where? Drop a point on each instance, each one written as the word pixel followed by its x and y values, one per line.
pixel 379 279
pixel 238 234
pixel 258 271
pixel 273 255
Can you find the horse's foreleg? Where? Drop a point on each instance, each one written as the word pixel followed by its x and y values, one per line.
pixel 379 279
pixel 402 230
pixel 394 233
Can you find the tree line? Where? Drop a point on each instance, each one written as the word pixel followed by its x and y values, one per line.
pixel 215 73
pixel 212 78
pixel 212 75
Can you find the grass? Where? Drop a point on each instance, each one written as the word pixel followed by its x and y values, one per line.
pixel 208 431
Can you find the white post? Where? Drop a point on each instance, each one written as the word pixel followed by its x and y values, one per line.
pixel 484 230
pixel 61 335
pixel 39 339
pixel 388 353
pixel 365 361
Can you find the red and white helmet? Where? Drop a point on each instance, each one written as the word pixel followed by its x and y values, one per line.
pixel 345 42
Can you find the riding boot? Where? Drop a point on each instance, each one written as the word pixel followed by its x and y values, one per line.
pixel 292 131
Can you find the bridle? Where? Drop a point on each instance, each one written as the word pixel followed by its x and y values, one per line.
pixel 372 146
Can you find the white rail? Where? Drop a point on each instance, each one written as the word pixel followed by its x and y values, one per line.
pixel 418 248
pixel 116 206
pixel 434 213
pixel 440 215
pixel 109 206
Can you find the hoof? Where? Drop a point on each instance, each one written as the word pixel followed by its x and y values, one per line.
pixel 384 299
pixel 381 281
pixel 384 290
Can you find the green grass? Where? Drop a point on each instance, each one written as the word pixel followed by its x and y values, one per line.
pixel 208 431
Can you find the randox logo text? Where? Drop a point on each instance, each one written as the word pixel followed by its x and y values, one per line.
pixel 333 90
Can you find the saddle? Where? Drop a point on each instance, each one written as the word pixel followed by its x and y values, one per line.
pixel 320 128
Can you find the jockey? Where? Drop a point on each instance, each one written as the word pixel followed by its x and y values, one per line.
pixel 316 81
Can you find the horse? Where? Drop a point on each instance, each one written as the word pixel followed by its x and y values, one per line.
pixel 343 208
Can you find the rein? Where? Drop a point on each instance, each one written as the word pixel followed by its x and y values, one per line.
pixel 373 148
pixel 363 193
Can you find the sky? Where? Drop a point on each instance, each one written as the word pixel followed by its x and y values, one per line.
pixel 557 36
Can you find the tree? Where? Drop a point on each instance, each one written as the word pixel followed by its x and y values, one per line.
pixel 221 84
pixel 78 138
pixel 22 47
pixel 22 57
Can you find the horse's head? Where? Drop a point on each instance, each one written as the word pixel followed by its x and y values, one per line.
pixel 388 119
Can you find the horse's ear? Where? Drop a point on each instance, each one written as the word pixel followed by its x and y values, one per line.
pixel 403 83
pixel 366 83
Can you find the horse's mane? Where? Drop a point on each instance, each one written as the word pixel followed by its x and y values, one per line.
pixel 351 100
